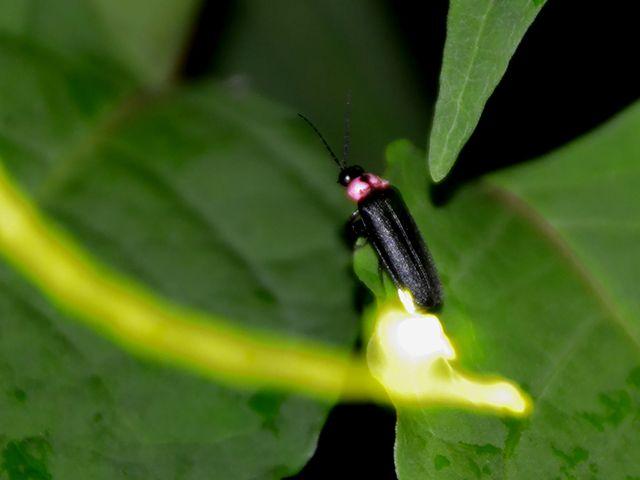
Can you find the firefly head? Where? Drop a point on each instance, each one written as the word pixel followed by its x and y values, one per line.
pixel 358 183
pixel 347 174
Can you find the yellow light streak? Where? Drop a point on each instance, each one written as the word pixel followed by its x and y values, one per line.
pixel 150 326
pixel 411 351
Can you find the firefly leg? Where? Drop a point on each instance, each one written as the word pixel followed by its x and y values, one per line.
pixel 355 229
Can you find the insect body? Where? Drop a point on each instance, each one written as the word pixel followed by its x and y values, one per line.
pixel 384 219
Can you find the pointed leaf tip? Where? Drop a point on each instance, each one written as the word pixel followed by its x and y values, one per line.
pixel 482 36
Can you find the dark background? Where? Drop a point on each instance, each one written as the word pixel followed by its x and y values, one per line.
pixel 575 68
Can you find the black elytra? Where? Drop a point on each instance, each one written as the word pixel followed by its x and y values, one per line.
pixel 393 234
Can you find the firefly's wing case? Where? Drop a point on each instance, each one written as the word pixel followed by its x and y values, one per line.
pixel 395 237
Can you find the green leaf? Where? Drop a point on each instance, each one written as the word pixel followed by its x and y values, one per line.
pixel 213 198
pixel 309 55
pixel 540 267
pixel 482 36
pixel 145 37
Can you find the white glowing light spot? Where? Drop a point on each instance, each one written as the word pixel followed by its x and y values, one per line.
pixel 410 354
pixel 420 337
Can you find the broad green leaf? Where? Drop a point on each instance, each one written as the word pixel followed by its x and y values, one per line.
pixel 482 36
pixel 145 37
pixel 214 199
pixel 540 266
pixel 150 36
pixel 310 54
pixel 587 194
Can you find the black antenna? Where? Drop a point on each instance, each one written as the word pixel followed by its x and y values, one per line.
pixel 326 145
pixel 346 139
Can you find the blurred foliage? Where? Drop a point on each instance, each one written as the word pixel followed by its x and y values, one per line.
pixel 210 196
pixel 309 55
pixel 145 37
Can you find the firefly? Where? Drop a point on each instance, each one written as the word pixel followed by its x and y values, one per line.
pixel 383 218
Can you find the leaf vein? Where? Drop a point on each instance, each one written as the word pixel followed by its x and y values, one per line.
pixel 512 202
pixel 467 76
